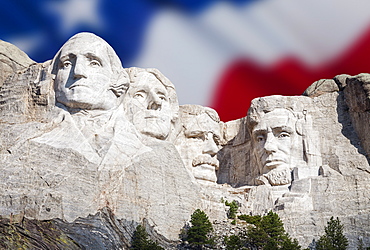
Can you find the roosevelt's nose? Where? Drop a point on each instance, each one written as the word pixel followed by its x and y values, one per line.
pixel 210 147
pixel 79 70
pixel 270 145
pixel 154 102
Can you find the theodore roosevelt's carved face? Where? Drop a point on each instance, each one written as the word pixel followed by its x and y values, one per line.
pixel 84 74
pixel 274 139
pixel 148 106
pixel 199 143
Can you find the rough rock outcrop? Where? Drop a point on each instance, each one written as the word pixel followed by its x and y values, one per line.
pixel 89 150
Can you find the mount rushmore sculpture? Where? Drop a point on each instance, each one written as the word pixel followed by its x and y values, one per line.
pixel 80 134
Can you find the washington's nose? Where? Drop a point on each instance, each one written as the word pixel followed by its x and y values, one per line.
pixel 270 143
pixel 210 146
pixel 79 70
pixel 155 102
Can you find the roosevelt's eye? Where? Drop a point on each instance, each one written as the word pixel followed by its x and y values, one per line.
pixel 216 139
pixel 95 63
pixel 197 135
pixel 66 64
pixel 284 135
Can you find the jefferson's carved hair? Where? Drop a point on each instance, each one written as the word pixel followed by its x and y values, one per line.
pixel 133 72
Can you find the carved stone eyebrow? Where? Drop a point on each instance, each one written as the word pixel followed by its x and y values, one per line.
pixel 66 57
pixel 93 56
pixel 259 131
pixel 283 129
pixel 194 133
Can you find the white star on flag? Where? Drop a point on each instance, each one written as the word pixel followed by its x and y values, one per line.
pixel 77 12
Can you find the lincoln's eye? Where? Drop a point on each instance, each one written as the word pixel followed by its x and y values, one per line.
pixel 260 138
pixel 283 135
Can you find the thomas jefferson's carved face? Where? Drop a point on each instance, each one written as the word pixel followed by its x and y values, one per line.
pixel 148 107
pixel 84 73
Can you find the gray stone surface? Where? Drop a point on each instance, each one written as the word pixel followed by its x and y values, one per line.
pixel 12 61
pixel 76 158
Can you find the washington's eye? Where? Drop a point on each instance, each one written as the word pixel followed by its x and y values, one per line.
pixel 95 63
pixel 66 64
pixel 283 135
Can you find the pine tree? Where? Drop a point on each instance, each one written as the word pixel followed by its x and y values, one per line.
pixel 197 234
pixel 233 209
pixel 269 234
pixel 233 242
pixel 333 239
pixel 141 241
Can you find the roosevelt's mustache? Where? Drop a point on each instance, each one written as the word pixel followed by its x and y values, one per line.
pixel 205 159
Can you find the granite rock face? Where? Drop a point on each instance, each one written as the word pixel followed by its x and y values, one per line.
pixel 89 150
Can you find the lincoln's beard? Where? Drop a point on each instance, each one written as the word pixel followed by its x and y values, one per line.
pixel 278 177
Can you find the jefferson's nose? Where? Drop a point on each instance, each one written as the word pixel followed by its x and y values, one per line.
pixel 155 102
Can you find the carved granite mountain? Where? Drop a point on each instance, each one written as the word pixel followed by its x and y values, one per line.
pixel 89 150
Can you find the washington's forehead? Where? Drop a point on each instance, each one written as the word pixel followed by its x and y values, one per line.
pixel 84 47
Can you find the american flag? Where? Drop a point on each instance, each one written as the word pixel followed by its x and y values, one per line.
pixel 217 53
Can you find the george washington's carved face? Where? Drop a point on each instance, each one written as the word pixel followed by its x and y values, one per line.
pixel 84 74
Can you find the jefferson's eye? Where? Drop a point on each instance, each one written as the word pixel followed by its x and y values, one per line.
pixel 95 63
pixel 162 97
pixel 66 64
pixel 139 95
pixel 283 135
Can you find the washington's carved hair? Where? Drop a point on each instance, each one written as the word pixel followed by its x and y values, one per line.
pixel 114 60
pixel 119 76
